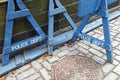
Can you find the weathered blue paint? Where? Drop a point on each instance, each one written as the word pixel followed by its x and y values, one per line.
pixel 100 8
pixel 11 15
pixel 21 59
pixel 52 12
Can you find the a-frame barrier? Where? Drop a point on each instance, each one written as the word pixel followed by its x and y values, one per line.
pixel 8 47
pixel 52 41
pixel 100 8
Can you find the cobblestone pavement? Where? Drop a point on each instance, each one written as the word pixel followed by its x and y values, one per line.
pixel 40 69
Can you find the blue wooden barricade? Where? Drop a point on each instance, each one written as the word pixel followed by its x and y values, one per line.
pixel 52 41
pixel 87 8
pixel 11 15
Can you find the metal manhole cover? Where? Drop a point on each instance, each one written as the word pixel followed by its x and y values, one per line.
pixel 76 68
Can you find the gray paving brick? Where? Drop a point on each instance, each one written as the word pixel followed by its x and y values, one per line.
pixel 25 67
pixel 99 60
pixel 83 45
pixel 117 58
pixel 63 48
pixel 40 79
pixel 61 54
pixel 81 54
pixel 115 62
pixel 95 47
pixel 96 52
pixel 47 65
pixel 36 65
pixel 33 77
pixel 53 59
pixel 115 43
pixel 117 70
pixel 107 67
pixel 111 76
pixel 116 51
pixel 25 74
pixel 45 74
pixel 84 51
pixel 73 47
pixel 89 55
pixel 74 52
pixel 56 51
pixel 10 78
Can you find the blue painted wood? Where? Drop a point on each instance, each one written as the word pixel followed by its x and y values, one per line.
pixel 19 60
pixel 52 12
pixel 8 47
pixel 13 65
pixel 5 69
pixel 35 53
pixel 86 7
pixel 98 22
pixel 95 41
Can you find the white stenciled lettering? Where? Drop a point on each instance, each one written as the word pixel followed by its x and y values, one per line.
pixel 84 37
pixel 19 46
pixel 35 40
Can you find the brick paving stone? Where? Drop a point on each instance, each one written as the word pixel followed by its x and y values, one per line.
pixel 10 78
pixel 40 79
pixel 56 51
pixel 95 47
pixel 53 59
pixel 116 51
pixel 83 45
pixel 89 55
pixel 47 65
pixel 36 65
pixel 98 59
pixel 63 48
pixel 85 42
pixel 45 74
pixel 117 58
pixel 25 74
pixel 61 54
pixel 96 52
pixel 33 77
pixel 115 43
pixel 74 52
pixel 111 76
pixel 73 47
pixel 118 39
pixel 115 62
pixel 117 70
pixel 96 35
pixel 112 22
pixel 107 67
pixel 101 38
pixel 117 23
pixel 25 67
pixel 104 57
pixel 84 51
pixel 81 54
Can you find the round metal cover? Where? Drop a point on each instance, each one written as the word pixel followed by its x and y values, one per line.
pixel 76 68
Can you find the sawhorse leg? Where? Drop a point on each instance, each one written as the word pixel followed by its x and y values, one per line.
pixel 52 12
pixel 106 29
pixel 107 43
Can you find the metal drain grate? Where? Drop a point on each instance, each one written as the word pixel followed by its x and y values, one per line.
pixel 76 68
